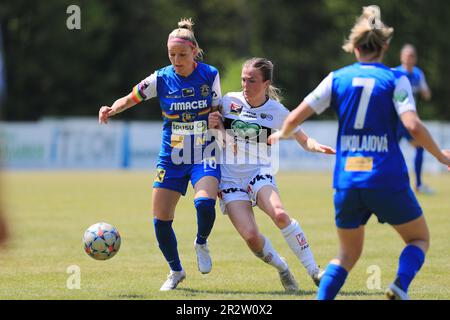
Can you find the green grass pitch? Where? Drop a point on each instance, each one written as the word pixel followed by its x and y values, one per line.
pixel 49 211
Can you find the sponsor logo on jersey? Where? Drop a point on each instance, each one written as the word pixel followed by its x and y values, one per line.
pixel 188 105
pixel 244 129
pixel 188 116
pixel 176 141
pixel 249 114
pixel 173 96
pixel 266 116
pixel 188 92
pixel 235 109
pixel 358 164
pixel 189 128
pixel 204 90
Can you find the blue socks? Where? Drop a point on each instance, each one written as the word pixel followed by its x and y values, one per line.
pixel 331 282
pixel 206 215
pixel 167 243
pixel 418 160
pixel 410 261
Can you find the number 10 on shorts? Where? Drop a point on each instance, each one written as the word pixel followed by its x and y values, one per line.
pixel 209 162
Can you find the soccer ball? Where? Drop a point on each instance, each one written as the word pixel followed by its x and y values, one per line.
pixel 101 241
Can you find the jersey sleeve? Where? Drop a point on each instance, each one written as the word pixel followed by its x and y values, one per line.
pixel 225 105
pixel 216 91
pixel 319 100
pixel 146 89
pixel 403 97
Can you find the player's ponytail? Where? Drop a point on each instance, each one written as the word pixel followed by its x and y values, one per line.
pixel 266 68
pixel 185 34
pixel 369 34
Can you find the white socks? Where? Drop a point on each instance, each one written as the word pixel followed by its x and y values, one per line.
pixel 297 242
pixel 270 256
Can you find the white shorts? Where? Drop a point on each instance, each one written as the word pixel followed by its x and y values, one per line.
pixel 245 189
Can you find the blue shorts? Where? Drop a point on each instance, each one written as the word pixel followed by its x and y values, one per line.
pixel 176 177
pixel 402 132
pixel 353 207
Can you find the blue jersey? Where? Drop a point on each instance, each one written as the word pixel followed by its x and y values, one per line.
pixel 185 104
pixel 416 78
pixel 368 99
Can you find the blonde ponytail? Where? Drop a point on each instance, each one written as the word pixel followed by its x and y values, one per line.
pixel 369 34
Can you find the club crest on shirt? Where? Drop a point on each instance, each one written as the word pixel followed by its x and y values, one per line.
pixel 266 116
pixel 188 92
pixel 204 90
pixel 188 116
pixel 235 109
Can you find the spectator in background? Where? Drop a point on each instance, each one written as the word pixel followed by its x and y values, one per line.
pixel 408 58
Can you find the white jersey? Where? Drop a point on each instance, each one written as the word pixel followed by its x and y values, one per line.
pixel 250 127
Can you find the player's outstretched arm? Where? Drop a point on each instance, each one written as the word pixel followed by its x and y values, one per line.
pixel 295 118
pixel 420 133
pixel 118 106
pixel 311 145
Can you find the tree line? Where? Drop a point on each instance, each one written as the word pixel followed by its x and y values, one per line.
pixel 55 71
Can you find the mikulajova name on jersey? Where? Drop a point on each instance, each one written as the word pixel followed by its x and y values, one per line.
pixel 368 143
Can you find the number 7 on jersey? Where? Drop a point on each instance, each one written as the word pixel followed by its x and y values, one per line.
pixel 367 84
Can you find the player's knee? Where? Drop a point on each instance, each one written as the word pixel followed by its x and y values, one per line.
pixel 422 242
pixel 350 257
pixel 205 204
pixel 281 218
pixel 252 238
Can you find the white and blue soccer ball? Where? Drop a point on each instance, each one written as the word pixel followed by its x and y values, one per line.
pixel 101 241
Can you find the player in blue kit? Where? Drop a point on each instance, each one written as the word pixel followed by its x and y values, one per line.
pixel 370 174
pixel 188 91
pixel 408 58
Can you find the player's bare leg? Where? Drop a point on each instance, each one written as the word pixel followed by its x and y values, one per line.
pixel 243 219
pixel 269 201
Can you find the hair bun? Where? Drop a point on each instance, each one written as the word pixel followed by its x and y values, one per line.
pixel 186 24
pixel 372 11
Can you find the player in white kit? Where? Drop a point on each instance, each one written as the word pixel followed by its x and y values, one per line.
pixel 249 117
